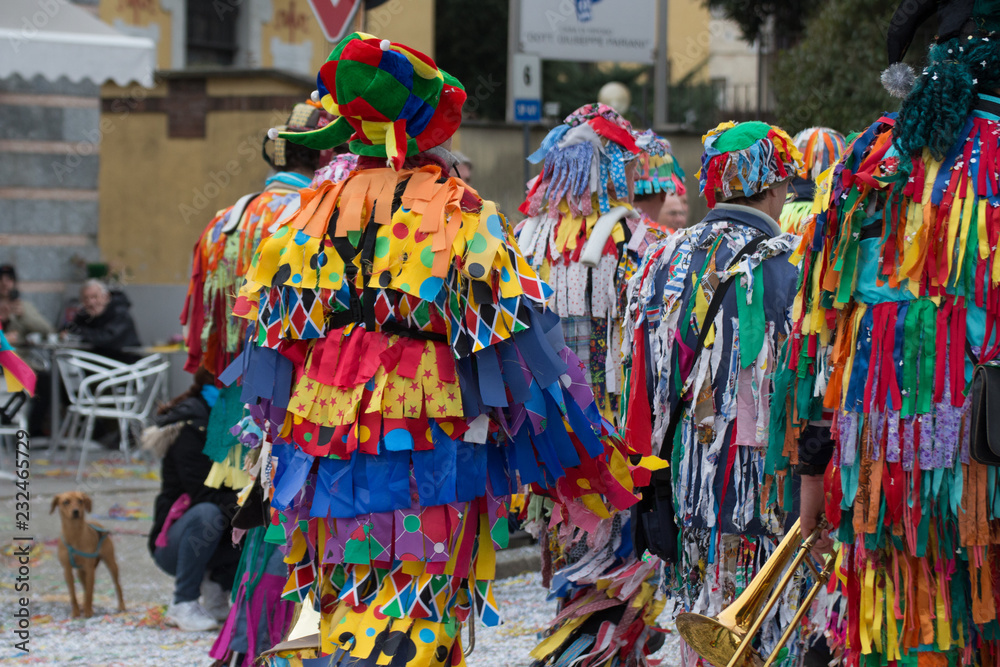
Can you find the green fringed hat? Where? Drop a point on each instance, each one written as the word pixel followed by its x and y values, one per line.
pixel 392 100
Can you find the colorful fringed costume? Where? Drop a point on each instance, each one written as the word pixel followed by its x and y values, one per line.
pixel 17 375
pixel 583 240
pixel 214 338
pixel 658 175
pixel 821 147
pixel 716 490
pixel 609 599
pixel 900 293
pixel 899 278
pixel 426 379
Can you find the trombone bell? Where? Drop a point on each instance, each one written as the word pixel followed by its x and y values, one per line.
pixel 712 640
pixel 725 641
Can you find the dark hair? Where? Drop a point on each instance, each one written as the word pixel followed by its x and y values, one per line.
pixel 935 111
pixel 8 270
pixel 202 377
pixel 752 199
pixel 300 158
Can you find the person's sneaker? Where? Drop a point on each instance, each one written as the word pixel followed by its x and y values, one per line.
pixel 214 600
pixel 190 617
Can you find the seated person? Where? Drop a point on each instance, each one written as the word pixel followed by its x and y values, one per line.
pixel 18 317
pixel 104 321
pixel 191 538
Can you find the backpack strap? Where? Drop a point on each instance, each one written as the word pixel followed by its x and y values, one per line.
pixel 713 309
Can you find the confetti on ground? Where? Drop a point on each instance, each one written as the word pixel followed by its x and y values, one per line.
pixel 139 636
pixel 109 467
pixel 131 511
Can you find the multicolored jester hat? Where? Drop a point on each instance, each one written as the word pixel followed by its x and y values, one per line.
pixel 418 380
pixel 392 101
pixel 746 160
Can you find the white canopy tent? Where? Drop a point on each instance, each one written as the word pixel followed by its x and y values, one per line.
pixel 55 38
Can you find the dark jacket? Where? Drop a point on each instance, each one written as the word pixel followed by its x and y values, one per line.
pixel 110 331
pixel 185 467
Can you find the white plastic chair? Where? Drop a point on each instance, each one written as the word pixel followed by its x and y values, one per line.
pixel 127 394
pixel 77 366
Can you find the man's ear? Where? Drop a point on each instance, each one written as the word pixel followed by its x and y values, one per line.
pixel 55 503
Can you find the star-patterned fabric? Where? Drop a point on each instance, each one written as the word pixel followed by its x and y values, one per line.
pixel 434 383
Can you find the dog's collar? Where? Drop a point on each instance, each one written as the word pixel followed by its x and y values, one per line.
pixel 102 534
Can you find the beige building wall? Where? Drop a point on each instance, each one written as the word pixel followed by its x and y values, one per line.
pixel 689 39
pixel 157 191
pixel 409 22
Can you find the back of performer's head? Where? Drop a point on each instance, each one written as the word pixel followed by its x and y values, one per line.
pixel 288 156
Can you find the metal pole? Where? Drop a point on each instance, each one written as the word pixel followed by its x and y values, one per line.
pixel 513 46
pixel 661 73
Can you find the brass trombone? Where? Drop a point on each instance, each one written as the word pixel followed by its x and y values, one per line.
pixel 725 641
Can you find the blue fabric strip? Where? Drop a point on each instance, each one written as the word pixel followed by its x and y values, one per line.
pixel 289 178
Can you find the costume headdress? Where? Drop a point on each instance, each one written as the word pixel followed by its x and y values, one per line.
pixel 744 159
pixel 591 146
pixel 305 117
pixel 393 101
pixel 963 69
pixel 820 148
pixel 657 170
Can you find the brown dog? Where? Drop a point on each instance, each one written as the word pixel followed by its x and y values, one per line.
pixel 82 547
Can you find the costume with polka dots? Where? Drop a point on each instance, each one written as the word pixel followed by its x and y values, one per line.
pixel 397 420
pixel 214 338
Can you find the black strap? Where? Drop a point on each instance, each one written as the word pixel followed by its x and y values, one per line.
pixel 713 309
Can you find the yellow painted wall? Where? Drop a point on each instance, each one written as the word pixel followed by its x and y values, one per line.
pixel 293 22
pixel 157 193
pixel 688 38
pixel 409 22
pixel 141 13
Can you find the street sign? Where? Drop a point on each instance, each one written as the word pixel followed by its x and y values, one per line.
pixel 527 111
pixel 527 88
pixel 335 16
pixel 589 30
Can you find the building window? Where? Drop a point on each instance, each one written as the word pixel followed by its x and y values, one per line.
pixel 211 32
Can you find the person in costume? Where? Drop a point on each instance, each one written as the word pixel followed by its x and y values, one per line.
pixel 582 231
pixel 701 396
pixel 658 178
pixel 898 302
pixel 821 147
pixel 424 348
pixel 214 338
pixel 603 588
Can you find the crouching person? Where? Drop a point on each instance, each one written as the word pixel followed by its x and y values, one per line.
pixel 191 538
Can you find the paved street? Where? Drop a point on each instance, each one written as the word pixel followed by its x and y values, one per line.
pixel 123 499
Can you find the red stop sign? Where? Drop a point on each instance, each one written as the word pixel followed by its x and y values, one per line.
pixel 335 16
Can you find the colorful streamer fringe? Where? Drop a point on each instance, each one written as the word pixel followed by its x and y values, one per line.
pixel 900 277
pixel 394 422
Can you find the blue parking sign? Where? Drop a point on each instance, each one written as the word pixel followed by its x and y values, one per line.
pixel 527 111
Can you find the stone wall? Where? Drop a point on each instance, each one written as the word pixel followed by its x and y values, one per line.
pixel 49 164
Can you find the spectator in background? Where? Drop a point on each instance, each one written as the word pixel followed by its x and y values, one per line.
pixel 18 317
pixel 104 321
pixel 463 166
pixel 674 212
pixel 191 539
